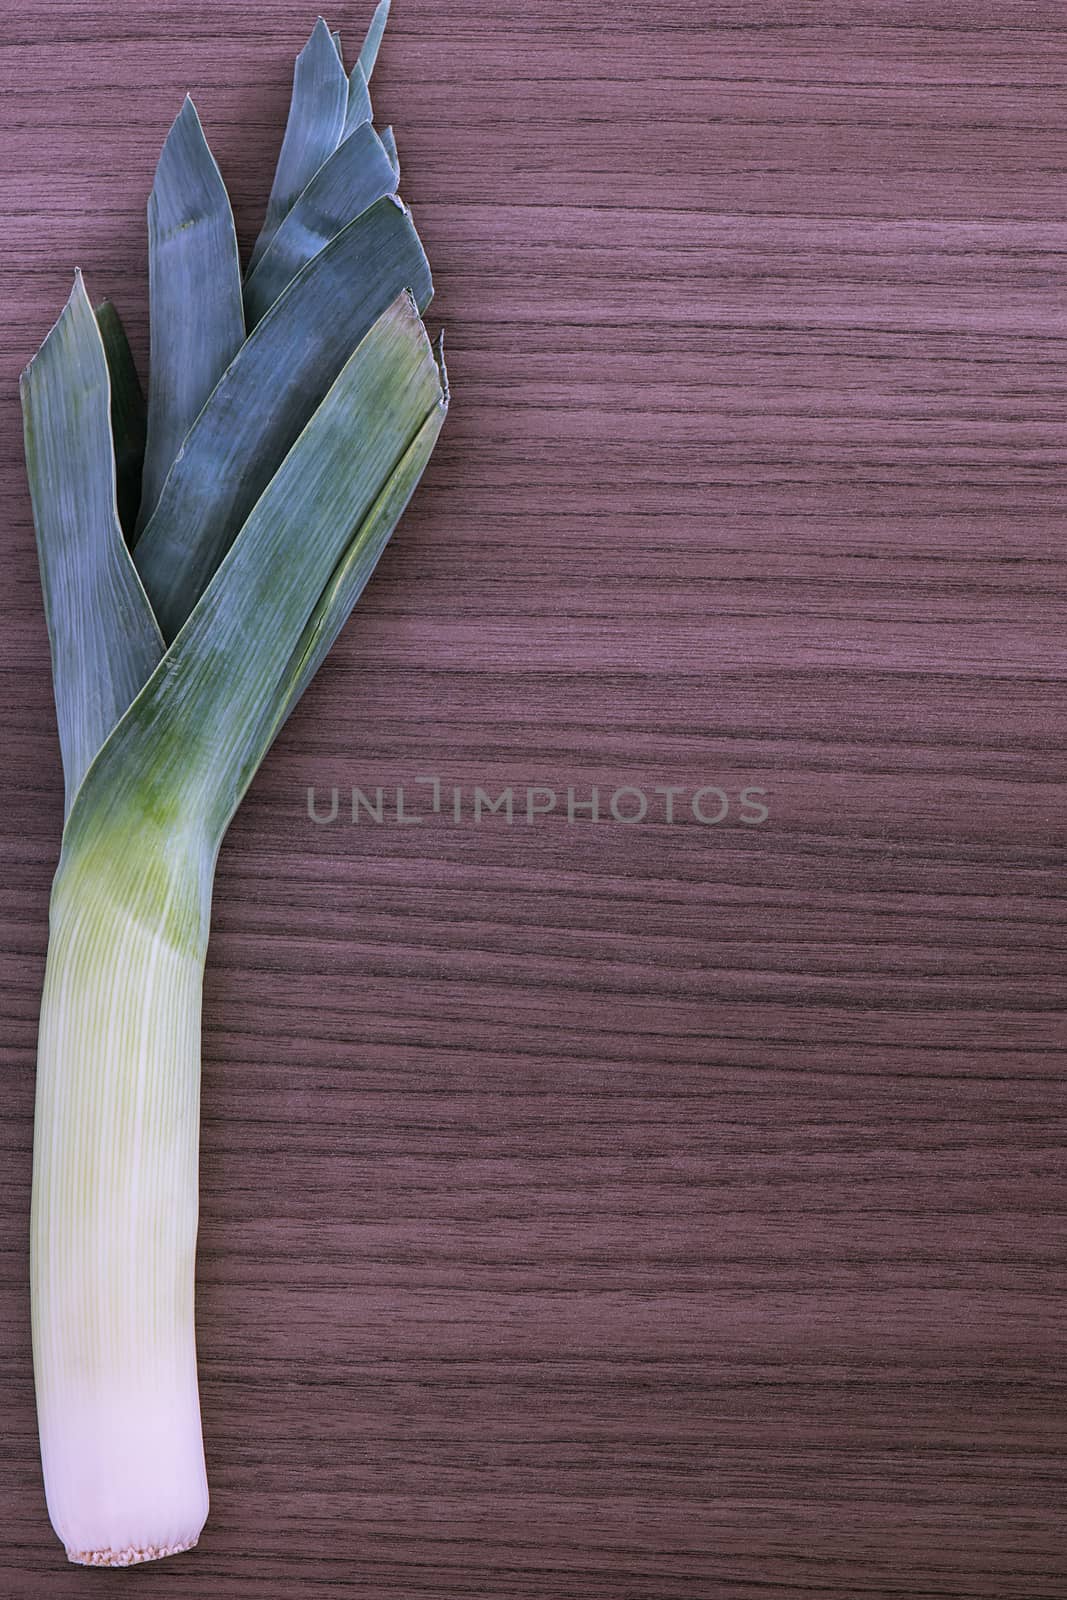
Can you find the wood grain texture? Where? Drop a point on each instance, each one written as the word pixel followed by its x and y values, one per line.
pixel 604 1212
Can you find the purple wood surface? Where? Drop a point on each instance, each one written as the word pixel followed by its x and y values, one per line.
pixel 604 1211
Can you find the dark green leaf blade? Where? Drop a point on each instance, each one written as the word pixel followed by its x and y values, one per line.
pixel 194 282
pixel 128 416
pixel 313 131
pixel 357 174
pixel 104 640
pixel 192 751
pixel 388 139
pixel 266 397
pixel 368 56
pixel 360 109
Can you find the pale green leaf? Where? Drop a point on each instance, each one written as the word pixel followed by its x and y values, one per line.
pixel 355 176
pixel 103 636
pixel 267 396
pixel 313 131
pixel 194 285
pixel 358 563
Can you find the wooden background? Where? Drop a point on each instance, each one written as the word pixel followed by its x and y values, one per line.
pixel 605 1212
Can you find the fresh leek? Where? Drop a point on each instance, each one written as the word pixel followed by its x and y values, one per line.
pixel 197 562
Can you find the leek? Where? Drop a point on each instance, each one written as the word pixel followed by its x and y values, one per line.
pixel 196 565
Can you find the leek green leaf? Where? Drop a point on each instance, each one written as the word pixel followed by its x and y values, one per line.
pixel 356 567
pixel 336 37
pixel 194 288
pixel 103 636
pixel 359 106
pixel 373 42
pixel 358 173
pixel 127 415
pixel 191 750
pixel 266 397
pixel 313 131
pixel 388 139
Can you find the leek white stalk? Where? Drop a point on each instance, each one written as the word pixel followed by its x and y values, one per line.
pixel 113 1231
pixel 182 635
